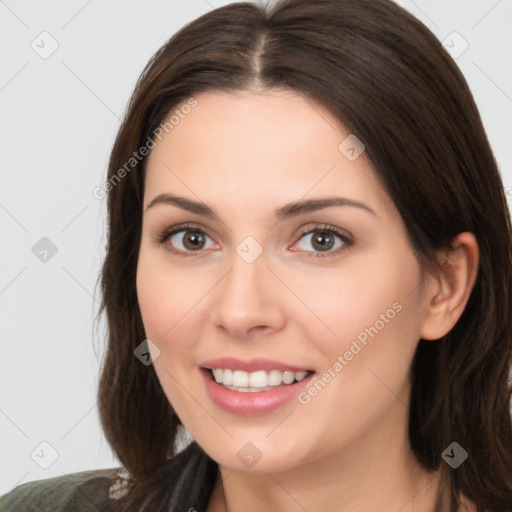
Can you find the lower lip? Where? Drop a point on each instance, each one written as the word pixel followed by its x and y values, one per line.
pixel 252 403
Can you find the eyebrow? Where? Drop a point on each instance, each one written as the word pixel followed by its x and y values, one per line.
pixel 286 211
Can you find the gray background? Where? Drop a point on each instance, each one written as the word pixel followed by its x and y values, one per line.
pixel 59 118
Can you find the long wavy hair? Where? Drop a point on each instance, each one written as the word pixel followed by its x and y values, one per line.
pixel 388 80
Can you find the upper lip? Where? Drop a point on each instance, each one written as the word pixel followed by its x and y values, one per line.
pixel 251 365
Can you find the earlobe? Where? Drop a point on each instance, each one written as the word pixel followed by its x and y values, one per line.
pixel 448 292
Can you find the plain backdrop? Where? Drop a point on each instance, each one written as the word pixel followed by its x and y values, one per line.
pixel 67 71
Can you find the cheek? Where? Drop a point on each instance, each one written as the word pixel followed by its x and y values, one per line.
pixel 155 302
pixel 374 313
pixel 166 297
pixel 366 363
pixel 361 300
pixel 166 300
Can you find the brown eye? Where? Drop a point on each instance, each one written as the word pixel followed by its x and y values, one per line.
pixel 325 240
pixel 193 240
pixel 322 241
pixel 186 240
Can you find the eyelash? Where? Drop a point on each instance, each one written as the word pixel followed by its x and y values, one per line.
pixel 163 236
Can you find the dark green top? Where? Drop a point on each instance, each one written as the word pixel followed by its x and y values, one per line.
pixel 87 490
pixel 191 477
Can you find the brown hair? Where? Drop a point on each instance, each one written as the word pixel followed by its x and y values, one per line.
pixel 388 80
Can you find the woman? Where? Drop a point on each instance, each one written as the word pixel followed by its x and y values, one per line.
pixel 309 269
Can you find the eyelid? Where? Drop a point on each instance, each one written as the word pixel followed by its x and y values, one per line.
pixel 320 226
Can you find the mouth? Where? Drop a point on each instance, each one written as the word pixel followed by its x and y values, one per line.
pixel 254 388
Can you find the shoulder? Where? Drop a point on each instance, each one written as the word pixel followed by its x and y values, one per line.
pixel 190 473
pixel 86 490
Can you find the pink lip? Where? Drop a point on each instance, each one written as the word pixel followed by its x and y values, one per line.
pixel 251 366
pixel 251 403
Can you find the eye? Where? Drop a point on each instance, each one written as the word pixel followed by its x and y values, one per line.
pixel 185 239
pixel 190 240
pixel 324 239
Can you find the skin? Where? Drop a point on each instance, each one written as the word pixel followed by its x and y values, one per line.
pixel 245 155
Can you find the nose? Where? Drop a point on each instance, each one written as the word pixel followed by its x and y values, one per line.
pixel 248 300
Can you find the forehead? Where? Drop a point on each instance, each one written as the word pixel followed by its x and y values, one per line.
pixel 257 147
pixel 254 124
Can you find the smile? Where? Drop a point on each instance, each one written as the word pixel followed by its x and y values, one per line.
pixel 261 380
pixel 254 387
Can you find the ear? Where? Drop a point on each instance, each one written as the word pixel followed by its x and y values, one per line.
pixel 448 292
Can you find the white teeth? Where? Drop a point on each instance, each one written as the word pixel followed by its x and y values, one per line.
pixel 300 375
pixel 288 377
pixel 275 377
pixel 255 381
pixel 258 379
pixel 227 377
pixel 240 379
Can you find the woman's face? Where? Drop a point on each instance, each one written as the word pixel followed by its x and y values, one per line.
pixel 254 278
